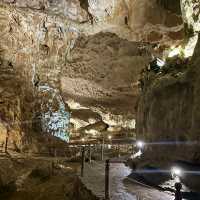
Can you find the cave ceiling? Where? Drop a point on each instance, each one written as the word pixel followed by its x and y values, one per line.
pixel 81 58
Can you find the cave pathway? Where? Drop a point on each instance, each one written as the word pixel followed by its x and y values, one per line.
pixel 121 188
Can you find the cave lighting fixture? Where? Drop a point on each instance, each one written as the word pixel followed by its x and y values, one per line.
pixel 160 62
pixel 140 144
pixel 109 137
pixel 176 172
pixel 137 155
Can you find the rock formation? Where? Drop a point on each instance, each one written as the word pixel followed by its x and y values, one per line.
pixel 168 107
pixel 58 68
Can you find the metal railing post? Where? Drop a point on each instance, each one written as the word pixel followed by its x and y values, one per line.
pixel 107 169
pixel 83 161
pixel 102 150
pixel 118 151
pixel 90 154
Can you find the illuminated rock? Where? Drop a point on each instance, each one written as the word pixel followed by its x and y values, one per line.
pixel 191 17
pixel 84 66
pixel 168 108
pixel 54 115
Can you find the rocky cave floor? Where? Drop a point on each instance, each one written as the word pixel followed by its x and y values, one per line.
pixel 26 177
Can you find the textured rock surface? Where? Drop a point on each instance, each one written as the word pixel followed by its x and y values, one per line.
pixel 56 59
pixel 172 5
pixel 87 78
pixel 168 108
pixel 148 18
pixel 42 72
pixel 108 84
pixel 63 8
pixel 30 66
pixel 143 18
pixel 31 179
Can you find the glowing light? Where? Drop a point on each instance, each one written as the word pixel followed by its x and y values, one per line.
pixel 175 171
pixel 160 62
pixel 64 167
pixel 83 139
pixel 109 137
pixel 140 144
pixel 175 51
pixel 138 154
pixel 93 132
pixel 91 120
pixel 109 146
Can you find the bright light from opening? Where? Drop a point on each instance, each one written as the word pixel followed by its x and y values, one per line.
pixel 83 139
pixel 175 171
pixel 109 146
pixel 140 144
pixel 109 137
pixel 175 51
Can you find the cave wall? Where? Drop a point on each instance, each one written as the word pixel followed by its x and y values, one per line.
pixel 172 5
pixel 168 109
pixel 10 104
pixel 69 8
pixel 33 48
pixel 152 22
pixel 169 113
pixel 37 39
pixel 37 46
pixel 165 110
